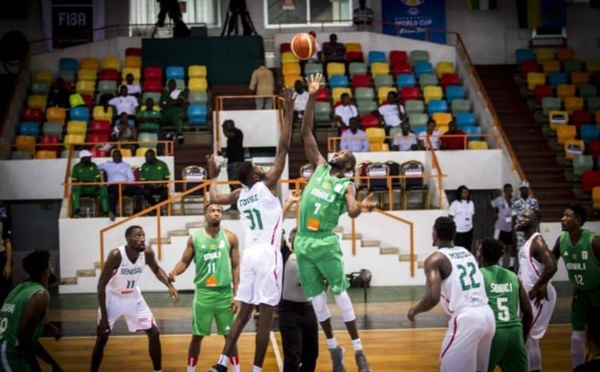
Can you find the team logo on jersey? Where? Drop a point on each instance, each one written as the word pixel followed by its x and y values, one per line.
pixel 222 244
pixel 584 255
pixel 574 256
pixel 326 185
pixel 203 246
pixel 213 246
pixel 338 188
pixel 566 254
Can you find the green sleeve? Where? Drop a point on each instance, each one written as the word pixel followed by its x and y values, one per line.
pixel 143 174
pixel 167 173
pixel 75 173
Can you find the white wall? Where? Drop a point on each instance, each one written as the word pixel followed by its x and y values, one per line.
pixel 260 127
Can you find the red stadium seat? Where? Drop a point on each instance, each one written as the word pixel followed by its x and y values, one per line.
pixel 100 126
pixel 49 141
pixel 285 47
pixel 98 153
pixel 153 73
pixel 323 95
pixel 401 68
pixel 529 66
pixel 153 85
pixel 541 91
pixel 33 114
pixel 355 57
pixel 98 137
pixel 369 121
pixel 133 52
pixel 362 81
pixel 89 100
pixel 449 79
pixel 589 180
pixel 580 117
pixel 112 75
pixel 410 93
pixel 398 56
pixel 594 148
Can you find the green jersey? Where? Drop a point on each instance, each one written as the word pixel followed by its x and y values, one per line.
pixel 323 201
pixel 12 311
pixel 582 266
pixel 212 259
pixel 502 288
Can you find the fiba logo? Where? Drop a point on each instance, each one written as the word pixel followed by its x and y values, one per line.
pixel 413 11
pixel 412 2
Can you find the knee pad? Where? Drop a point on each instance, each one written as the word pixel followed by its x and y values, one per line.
pixel 345 306
pixel 320 305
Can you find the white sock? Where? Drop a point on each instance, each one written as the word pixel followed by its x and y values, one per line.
pixel 224 360
pixel 160 370
pixel 256 369
pixel 235 363
pixel 191 368
pixel 577 348
pixel 332 343
pixel 357 344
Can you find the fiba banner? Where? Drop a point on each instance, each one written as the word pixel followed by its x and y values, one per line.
pixel 72 22
pixel 416 16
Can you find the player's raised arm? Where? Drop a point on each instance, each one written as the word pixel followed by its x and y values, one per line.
pixel 215 197
pixel 283 148
pixel 184 263
pixel 160 273
pixel 354 207
pixel 542 254
pixel 311 148
pixel 433 285
pixel 112 263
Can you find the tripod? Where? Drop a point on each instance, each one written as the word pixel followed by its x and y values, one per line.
pixel 238 12
pixel 171 7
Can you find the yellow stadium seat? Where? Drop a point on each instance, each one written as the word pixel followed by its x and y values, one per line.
pixel 579 77
pixel 43 76
pixel 596 198
pixel 73 139
pixel 551 66
pixel 45 154
pixel 111 63
pixel 565 133
pixel 141 152
pixel 353 47
pixel 290 80
pixel 376 138
pixel 565 90
pixel 478 145
pixel 444 68
pixel 557 118
pixel 76 127
pixel 573 104
pixel 544 54
pixel 380 68
pixel 56 114
pixel 135 71
pixel 592 65
pixel 382 93
pixel 442 128
pixel 154 108
pixel 573 147
pixel 87 74
pixel 335 68
pixel 37 101
pixel 431 92
pixel 133 61
pixel 288 57
pixel 198 85
pixel 25 143
pixel 442 119
pixel 197 71
pixel 126 153
pixel 291 69
pixel 336 93
pixel 565 54
pixel 89 63
pixel 535 78
pixel 85 87
pixel 99 114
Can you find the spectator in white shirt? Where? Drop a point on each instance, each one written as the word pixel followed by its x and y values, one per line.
pixel 503 227
pixel 354 139
pixel 405 140
pixel 125 103
pixel 344 112
pixel 119 171
pixel 300 97
pixel 132 89
pixel 462 210
pixel 434 137
pixel 392 112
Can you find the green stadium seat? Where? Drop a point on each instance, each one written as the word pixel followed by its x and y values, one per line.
pixel 582 163
pixel 550 104
pixel 383 81
pixel 587 90
pixel 322 112
pixel 414 106
pixel 357 68
pixel 366 106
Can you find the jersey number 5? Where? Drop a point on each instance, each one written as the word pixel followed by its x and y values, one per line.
pixel 255 220
pixel 468 281
pixel 503 313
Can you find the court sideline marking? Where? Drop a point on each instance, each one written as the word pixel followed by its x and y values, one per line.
pixel 276 350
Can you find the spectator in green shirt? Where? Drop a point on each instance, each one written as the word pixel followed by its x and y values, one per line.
pixel 171 103
pixel 86 171
pixel 155 170
pixel 147 114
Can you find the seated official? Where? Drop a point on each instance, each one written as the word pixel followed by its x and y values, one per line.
pixel 87 171
pixel 391 111
pixel 155 170
pixel 147 114
pixel 171 103
pixel 354 139
pixel 405 140
pixel 125 103
pixel 432 134
pixel 453 139
pixel 119 171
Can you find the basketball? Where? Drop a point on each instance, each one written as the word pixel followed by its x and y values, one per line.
pixel 303 46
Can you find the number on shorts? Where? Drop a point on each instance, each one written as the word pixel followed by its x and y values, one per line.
pixel 255 219
pixel 317 207
pixel 3 326
pixel 130 284
pixel 468 281
pixel 578 279
pixel 503 314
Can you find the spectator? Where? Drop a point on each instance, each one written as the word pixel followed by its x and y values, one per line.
pixel 300 97
pixel 5 252
pixel 354 139
pixel 234 153
pixel 392 112
pixel 147 112
pixel 503 226
pixel 125 103
pixel 262 83
pixel 432 134
pixel 453 139
pixel 171 103
pixel 344 112
pixel 462 210
pixel 132 89
pixel 155 170
pixel 592 338
pixel 334 51
pixel 318 55
pixel 58 96
pixel 87 171
pixel 522 203
pixel 123 132
pixel 405 140
pixel 119 171
pixel 362 16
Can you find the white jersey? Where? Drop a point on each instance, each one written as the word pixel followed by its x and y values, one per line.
pixel 261 216
pixel 464 288
pixel 126 277
pixel 529 268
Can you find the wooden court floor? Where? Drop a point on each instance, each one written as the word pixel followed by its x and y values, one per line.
pixel 387 350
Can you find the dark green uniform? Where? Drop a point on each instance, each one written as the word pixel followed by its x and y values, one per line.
pixel 584 272
pixel 173 114
pixel 508 347
pixel 213 294
pixel 157 171
pixel 317 247
pixel 87 173
pixel 10 319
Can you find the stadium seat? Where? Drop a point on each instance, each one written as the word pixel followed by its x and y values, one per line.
pixel 100 127
pixel 524 54
pixel 408 93
pixel 550 104
pixel 322 112
pixel 379 68
pixel 432 92
pixel 37 101
pixel 87 74
pixel 465 119
pixel 288 57
pixel 565 90
pixel 68 64
pixel 405 80
pixel 357 68
pixel 51 128
pixel 198 85
pixel 45 154
pixel 580 117
pixel 80 114
pixel 444 67
pixel 336 68
pixel 132 51
pixel 421 68
pixel 472 133
pixel 417 119
pixel 557 118
pixel 535 78
pixel 25 143
pixel 369 121
pixel 366 106
pixel 573 147
pixel 579 77
pixel 197 71
pixel 449 80
pixel 337 81
pixel 541 91
pixel 454 92
pixel 397 56
pixel 593 104
pixel 565 54
pixel 361 81
pixel 436 105
pixel 401 68
pixel 354 56
pixel 414 106
pixel 56 114
pixel 428 80
pixel 21 155
pixel 33 114
pixel 107 87
pixel 136 72
pixel 589 180
pixel 133 61
pixel 323 95
pixel 555 78
pixel 89 63
pixel 544 54
pixel 442 119
pixel 29 128
pixel 383 81
pixel 364 94
pixel 382 93
pixel 589 132
pixel 565 133
pixel 77 127
pixel 198 97
pixel 111 63
pixel 40 88
pixel 592 65
pixel 376 138
pixel 418 56
pixel 582 163
pixel 376 56
pixel 353 47
pixel 73 140
pixel 68 76
pixel 573 103
pixel 290 69
pixel 336 94
pixel 571 66
pixel 152 73
pixel 85 87
pixel 42 76
pixel 313 68
pixel 460 105
pixel 594 149
pixel 108 75
pixel 285 47
pixel 528 67
pixel 197 115
pixel 98 113
pixel 596 198
pixel 587 90
pixel 477 145
pixel 153 86
pixel 550 66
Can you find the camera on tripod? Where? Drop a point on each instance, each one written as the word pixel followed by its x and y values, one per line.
pixel 238 12
pixel 171 7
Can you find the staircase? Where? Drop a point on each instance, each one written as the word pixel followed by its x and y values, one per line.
pixel 536 153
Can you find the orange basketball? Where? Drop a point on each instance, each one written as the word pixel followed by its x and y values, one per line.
pixel 303 46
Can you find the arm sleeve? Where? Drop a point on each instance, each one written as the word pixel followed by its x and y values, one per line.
pixel 452 209
pixel 253 81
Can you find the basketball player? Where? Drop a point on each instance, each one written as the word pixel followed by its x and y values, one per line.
pixel 506 297
pixel 580 249
pixel 119 295
pixel 215 253
pixel 452 274
pixel 23 316
pixel 261 265
pixel 319 255
pixel 536 268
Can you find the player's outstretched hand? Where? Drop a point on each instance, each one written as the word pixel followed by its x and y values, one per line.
pixel 294 197
pixel 366 205
pixel 213 167
pixel 314 82
pixel 174 294
pixel 233 307
pixel 171 277
pixel 411 314
pixel 103 329
pixel 539 294
pixel 56 332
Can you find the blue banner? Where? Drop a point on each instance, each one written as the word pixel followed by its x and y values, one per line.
pixel 417 16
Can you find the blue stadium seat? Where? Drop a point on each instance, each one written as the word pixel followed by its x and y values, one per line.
pixel 524 55
pixel 80 113
pixel 405 80
pixel 29 128
pixel 69 64
pixel 338 81
pixel 130 122
pixel 555 78
pixel 197 115
pixel 376 56
pixel 472 130
pixel 437 105
pixel 454 92
pixel 589 132
pixel 423 68
pixel 465 119
pixel 175 72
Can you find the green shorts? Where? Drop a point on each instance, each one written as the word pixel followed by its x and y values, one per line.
pixel 582 301
pixel 211 304
pixel 320 256
pixel 508 350
pixel 12 357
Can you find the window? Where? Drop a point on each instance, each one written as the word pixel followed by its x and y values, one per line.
pixel 294 13
pixel 145 12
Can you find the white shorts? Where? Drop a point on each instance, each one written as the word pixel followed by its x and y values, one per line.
pixel 542 314
pixel 260 276
pixel 132 307
pixel 468 340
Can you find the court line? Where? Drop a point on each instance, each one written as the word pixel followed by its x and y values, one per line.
pixel 276 351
